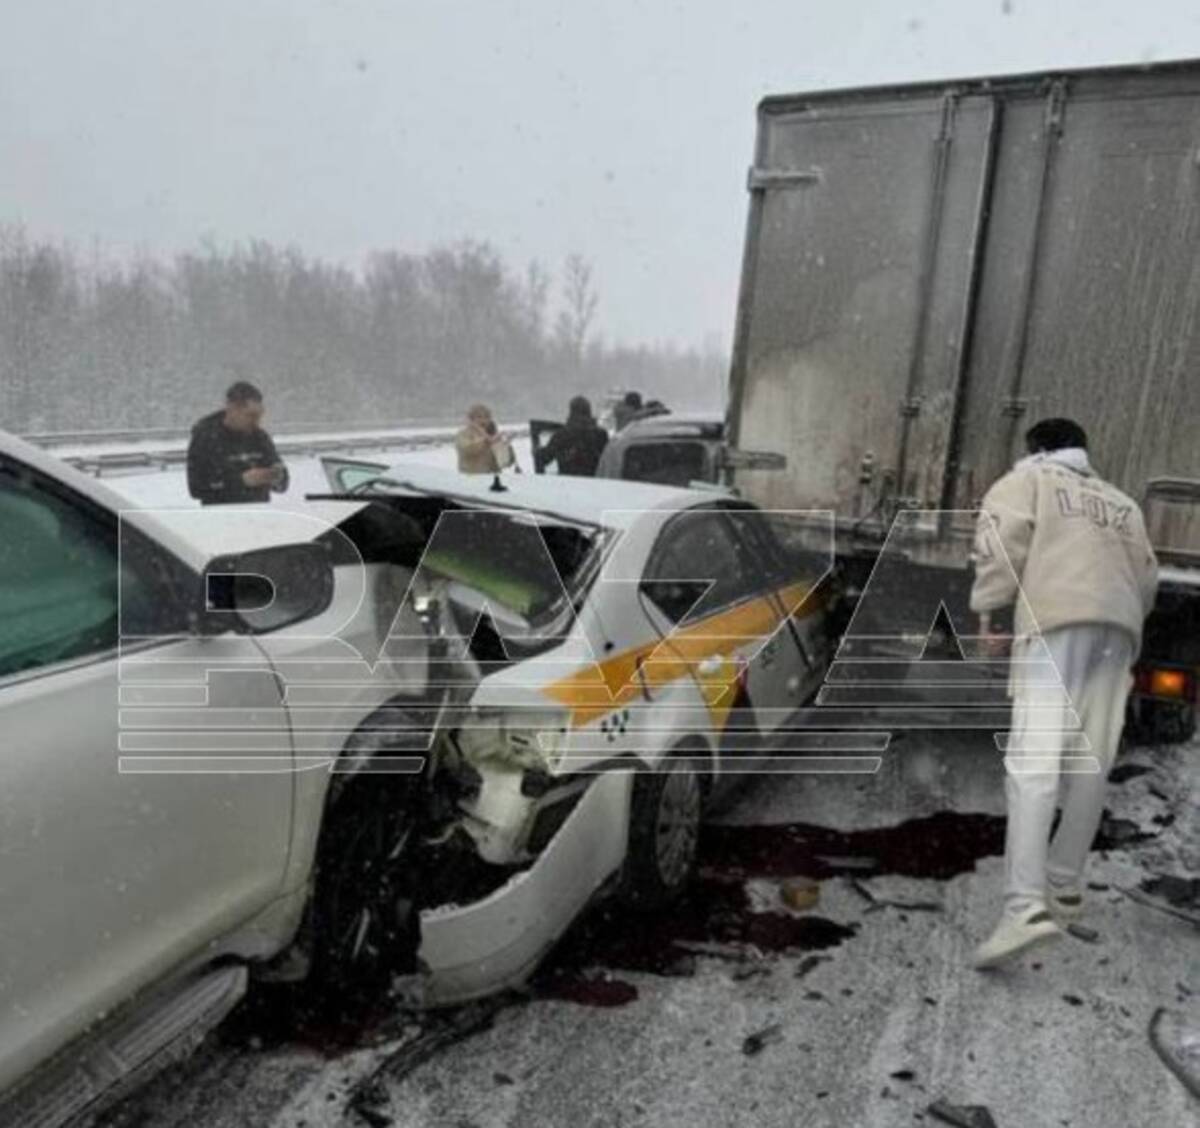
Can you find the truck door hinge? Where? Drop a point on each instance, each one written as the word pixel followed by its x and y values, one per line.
pixel 760 179
pixel 946 125
pixel 1056 107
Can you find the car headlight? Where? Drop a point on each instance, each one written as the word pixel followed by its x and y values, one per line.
pixel 516 738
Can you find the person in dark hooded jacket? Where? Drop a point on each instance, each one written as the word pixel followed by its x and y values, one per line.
pixel 625 409
pixel 231 459
pixel 578 446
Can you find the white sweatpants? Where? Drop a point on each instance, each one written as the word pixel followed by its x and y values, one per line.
pixel 1062 734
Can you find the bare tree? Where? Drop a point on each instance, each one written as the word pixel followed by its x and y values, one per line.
pixel 90 343
pixel 534 297
pixel 579 307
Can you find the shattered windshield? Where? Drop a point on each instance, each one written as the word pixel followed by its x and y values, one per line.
pixel 527 566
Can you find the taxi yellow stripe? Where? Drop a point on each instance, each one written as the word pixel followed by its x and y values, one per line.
pixel 662 662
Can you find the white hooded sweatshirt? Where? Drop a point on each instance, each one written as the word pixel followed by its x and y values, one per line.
pixel 1065 546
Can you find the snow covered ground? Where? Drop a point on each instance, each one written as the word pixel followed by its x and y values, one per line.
pixel 736 1011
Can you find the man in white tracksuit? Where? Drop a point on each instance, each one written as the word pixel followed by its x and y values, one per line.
pixel 1071 552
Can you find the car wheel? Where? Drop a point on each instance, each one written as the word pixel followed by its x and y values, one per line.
pixel 365 913
pixel 1163 722
pixel 1175 723
pixel 664 832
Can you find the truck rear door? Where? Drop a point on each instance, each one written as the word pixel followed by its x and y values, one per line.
pixel 1088 295
pixel 847 355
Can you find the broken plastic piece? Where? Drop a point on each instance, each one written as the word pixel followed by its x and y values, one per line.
pixel 964 1116
pixel 755 1043
pixel 800 893
pixel 807 964
pixel 887 903
pixel 848 862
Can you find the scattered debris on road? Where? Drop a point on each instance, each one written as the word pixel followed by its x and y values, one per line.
pixel 876 903
pixel 370 1104
pixel 1122 773
pixel 808 964
pixel 1177 1043
pixel 1177 896
pixel 848 862
pixel 369 1098
pixel 963 1116
pixel 1117 832
pixel 757 1042
pixel 1084 933
pixel 800 893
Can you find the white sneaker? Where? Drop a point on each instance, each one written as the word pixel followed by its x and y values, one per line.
pixel 1015 935
pixel 1065 903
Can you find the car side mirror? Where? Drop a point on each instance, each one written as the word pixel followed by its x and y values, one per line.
pixel 267 589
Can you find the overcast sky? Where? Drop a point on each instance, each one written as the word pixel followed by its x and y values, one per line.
pixel 615 128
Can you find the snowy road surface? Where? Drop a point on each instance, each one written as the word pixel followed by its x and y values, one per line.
pixel 736 1011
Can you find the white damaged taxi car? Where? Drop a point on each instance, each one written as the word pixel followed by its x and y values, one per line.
pixel 598 638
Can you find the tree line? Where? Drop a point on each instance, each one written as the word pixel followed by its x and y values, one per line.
pixel 88 343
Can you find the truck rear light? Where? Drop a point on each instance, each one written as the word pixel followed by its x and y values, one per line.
pixel 1167 681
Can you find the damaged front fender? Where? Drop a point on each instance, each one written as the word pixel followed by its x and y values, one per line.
pixel 469 951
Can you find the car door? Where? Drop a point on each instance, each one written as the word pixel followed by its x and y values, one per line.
pixel 711 594
pixel 109 878
pixel 793 660
pixel 541 431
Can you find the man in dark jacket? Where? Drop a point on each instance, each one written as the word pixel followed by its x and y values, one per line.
pixel 578 446
pixel 624 411
pixel 231 458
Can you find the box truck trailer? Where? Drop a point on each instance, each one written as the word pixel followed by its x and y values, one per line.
pixel 931 268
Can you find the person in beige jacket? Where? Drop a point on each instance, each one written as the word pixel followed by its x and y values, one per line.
pixel 1069 552
pixel 482 449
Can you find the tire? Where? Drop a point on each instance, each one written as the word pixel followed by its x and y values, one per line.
pixel 1163 722
pixel 1174 724
pixel 664 831
pixel 366 921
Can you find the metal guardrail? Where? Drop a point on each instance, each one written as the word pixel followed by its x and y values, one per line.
pixel 173 451
pixel 174 434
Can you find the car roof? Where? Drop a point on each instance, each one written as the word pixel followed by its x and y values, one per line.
pixel 663 426
pixel 610 501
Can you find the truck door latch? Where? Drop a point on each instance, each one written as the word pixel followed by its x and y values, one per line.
pixel 760 179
